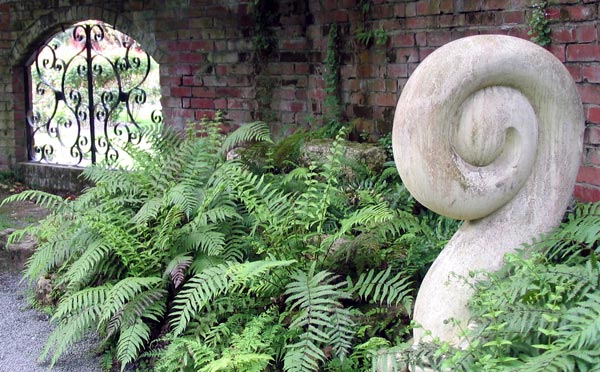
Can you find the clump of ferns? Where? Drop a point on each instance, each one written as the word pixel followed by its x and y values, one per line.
pixel 190 250
pixel 124 247
pixel 318 311
pixel 540 312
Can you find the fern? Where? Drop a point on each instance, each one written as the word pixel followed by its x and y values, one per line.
pixel 383 288
pixel 316 298
pixel 77 315
pixel 255 131
pixel 199 263
pixel 212 282
pixel 132 339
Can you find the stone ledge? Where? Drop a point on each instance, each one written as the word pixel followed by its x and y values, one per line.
pixel 52 178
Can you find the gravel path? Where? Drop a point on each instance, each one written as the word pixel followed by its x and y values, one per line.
pixel 24 331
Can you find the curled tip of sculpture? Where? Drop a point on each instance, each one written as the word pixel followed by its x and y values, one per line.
pixel 472 124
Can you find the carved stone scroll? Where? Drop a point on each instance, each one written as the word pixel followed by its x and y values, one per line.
pixel 488 129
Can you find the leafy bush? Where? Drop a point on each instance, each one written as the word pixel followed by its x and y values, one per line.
pixel 541 312
pixel 196 263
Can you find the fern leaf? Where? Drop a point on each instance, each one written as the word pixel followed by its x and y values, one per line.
pixel 177 267
pixel 380 288
pixel 148 211
pixel 77 314
pixel 131 341
pixel 212 282
pixel 86 263
pixel 255 131
pixel 583 324
pixel 41 198
pixel 317 299
pixel 125 291
pixel 303 356
pixel 341 333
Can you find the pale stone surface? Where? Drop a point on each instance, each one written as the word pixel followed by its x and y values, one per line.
pixel 13 257
pixel 488 129
pixel 370 155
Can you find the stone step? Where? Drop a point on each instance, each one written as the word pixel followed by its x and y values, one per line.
pixel 13 257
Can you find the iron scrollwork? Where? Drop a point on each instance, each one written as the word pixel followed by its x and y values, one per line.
pixel 86 106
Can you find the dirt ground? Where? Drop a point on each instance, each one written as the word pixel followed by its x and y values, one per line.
pixel 19 214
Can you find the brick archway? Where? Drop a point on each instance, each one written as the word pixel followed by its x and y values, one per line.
pixel 44 27
pixel 27 41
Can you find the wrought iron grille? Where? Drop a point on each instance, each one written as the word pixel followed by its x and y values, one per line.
pixel 91 91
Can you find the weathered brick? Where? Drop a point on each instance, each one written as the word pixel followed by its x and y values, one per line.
pixel 586 33
pixel 204 92
pixel 181 91
pixel 583 52
pixel 587 193
pixel 558 50
pixel 420 22
pixel 438 38
pixel 220 103
pixel 205 114
pixel 407 55
pixel 563 34
pixel 575 71
pixel 590 93
pixel 403 40
pixel 592 135
pixel 593 114
pixel 383 99
pixel 238 104
pixel 591 156
pixel 428 7
pixel 400 10
pixel 471 5
pixel 589 175
pixel 495 4
pixel 591 74
pixel 397 70
pixel 514 16
pixel 579 12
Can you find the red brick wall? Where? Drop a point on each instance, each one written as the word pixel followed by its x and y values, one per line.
pixel 208 61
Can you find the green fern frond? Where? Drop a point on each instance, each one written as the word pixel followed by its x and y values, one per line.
pixel 255 131
pixel 206 240
pixel 177 267
pixel 149 211
pixel 55 252
pixel 186 353
pixel 144 305
pixel 342 332
pixel 125 291
pixel 369 216
pixel 582 328
pixel 78 314
pixel 86 264
pixel 383 288
pixel 316 298
pixel 41 198
pixel 303 356
pixel 212 282
pixel 132 339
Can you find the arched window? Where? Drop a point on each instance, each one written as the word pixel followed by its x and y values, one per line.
pixel 91 90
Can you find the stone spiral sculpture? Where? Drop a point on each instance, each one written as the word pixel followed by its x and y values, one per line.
pixel 489 130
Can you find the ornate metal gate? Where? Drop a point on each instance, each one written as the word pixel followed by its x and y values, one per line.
pixel 92 89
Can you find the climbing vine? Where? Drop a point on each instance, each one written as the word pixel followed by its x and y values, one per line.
pixel 265 15
pixel 332 110
pixel 540 28
pixel 365 35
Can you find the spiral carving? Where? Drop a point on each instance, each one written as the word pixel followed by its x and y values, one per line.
pixel 488 129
